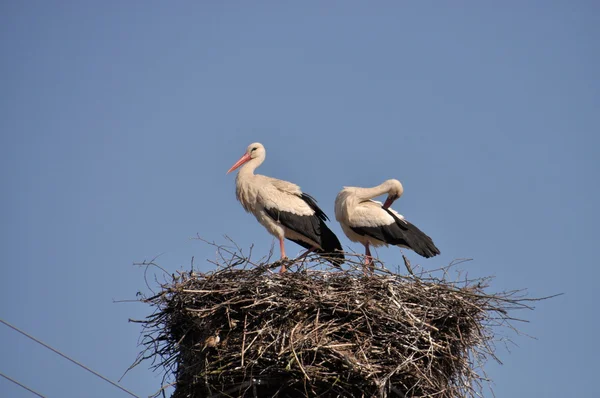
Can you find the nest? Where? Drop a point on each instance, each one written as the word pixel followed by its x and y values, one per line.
pixel 321 332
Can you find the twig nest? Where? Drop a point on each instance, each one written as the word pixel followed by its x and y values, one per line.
pixel 323 332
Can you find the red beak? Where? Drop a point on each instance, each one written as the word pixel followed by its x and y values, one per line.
pixel 388 203
pixel 240 162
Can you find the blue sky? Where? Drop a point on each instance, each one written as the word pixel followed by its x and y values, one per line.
pixel 118 121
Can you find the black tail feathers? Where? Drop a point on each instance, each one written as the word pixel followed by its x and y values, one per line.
pixel 332 248
pixel 419 241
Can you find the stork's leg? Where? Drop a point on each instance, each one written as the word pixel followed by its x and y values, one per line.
pixel 282 248
pixel 283 256
pixel 368 259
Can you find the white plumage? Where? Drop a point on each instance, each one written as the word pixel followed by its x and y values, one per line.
pixel 283 209
pixel 372 223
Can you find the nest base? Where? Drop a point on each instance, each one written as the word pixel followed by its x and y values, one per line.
pixel 246 331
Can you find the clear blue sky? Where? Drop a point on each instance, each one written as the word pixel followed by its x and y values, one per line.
pixel 118 121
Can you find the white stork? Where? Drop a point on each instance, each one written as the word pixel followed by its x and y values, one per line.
pixel 283 209
pixel 374 224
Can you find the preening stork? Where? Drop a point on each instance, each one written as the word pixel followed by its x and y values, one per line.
pixel 375 224
pixel 283 209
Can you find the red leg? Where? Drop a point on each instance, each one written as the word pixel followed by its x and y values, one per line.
pixel 282 248
pixel 283 256
pixel 368 259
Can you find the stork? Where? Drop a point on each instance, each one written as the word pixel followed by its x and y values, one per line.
pixel 283 209
pixel 372 223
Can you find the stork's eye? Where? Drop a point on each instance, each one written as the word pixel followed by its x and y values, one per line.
pixel 253 149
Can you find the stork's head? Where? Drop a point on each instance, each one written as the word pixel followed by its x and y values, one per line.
pixel 254 151
pixel 395 190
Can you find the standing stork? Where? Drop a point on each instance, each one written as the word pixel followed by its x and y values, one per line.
pixel 283 209
pixel 374 224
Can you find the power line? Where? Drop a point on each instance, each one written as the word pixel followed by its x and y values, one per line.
pixel 66 357
pixel 22 385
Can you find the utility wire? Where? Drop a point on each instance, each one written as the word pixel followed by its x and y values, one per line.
pixel 22 385
pixel 66 357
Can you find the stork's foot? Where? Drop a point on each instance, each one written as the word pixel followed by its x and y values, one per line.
pixel 283 260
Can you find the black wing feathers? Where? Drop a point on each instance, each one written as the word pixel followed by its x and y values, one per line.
pixel 313 227
pixel 309 226
pixel 313 205
pixel 332 248
pixel 402 233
